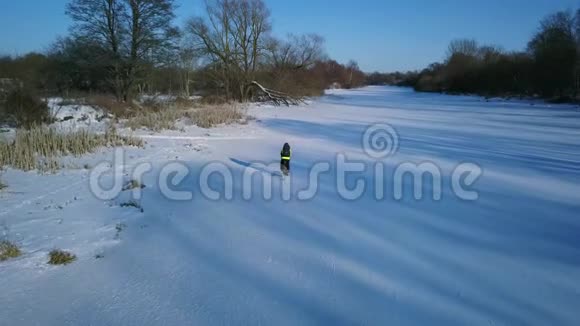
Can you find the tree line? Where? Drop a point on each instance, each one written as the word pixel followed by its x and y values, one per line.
pixel 130 47
pixel 549 67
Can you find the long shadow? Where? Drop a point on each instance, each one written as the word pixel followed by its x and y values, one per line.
pixel 327 239
pixel 477 145
pixel 320 311
pixel 255 167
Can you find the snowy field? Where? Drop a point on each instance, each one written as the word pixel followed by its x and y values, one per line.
pixel 509 257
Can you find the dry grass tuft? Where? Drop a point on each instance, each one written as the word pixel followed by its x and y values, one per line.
pixel 157 114
pixel 185 103
pixel 214 100
pixel 155 120
pixel 8 250
pixel 135 109
pixel 207 116
pixel 60 257
pixel 39 147
pixel 213 115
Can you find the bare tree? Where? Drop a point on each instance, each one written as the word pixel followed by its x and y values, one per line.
pixel 101 22
pixel 135 33
pixel 151 37
pixel 215 41
pixel 289 58
pixel 188 62
pixel 232 37
pixel 298 52
pixel 577 68
pixel 352 66
pixel 251 24
pixel 465 47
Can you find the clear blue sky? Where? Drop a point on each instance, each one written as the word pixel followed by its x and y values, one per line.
pixel 380 34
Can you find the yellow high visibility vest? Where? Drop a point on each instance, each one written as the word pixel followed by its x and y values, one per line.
pixel 287 157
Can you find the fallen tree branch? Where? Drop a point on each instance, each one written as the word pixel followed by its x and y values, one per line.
pixel 277 97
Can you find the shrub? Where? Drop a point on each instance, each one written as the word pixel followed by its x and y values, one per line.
pixel 8 250
pixel 39 147
pixel 22 109
pixel 60 257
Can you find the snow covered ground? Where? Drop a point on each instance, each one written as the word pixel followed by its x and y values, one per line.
pixel 70 116
pixel 511 257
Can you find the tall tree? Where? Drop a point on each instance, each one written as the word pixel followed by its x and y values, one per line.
pixel 188 59
pixel 251 22
pixel 577 68
pixel 151 37
pixel 132 34
pixel 101 22
pixel 554 49
pixel 352 67
pixel 232 36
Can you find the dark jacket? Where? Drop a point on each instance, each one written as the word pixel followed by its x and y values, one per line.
pixel 286 152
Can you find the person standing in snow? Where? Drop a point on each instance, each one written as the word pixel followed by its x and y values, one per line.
pixel 285 162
